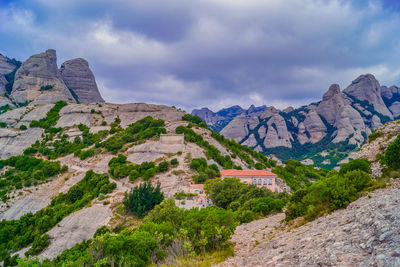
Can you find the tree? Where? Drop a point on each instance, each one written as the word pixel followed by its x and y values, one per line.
pixel 143 198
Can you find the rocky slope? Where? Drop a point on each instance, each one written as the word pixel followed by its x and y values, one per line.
pixel 364 234
pixel 341 121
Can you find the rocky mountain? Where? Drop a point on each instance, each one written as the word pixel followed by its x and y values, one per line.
pixel 324 131
pixel 79 78
pixel 39 81
pixel 218 120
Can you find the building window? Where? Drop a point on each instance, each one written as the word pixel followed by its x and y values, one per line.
pixel 269 181
pixel 254 181
pixel 245 182
pixel 259 181
pixel 265 181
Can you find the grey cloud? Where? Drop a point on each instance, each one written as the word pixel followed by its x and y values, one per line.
pixel 211 53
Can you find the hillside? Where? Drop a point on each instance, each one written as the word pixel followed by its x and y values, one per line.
pixel 363 234
pixel 325 131
pixel 102 184
pixel 71 140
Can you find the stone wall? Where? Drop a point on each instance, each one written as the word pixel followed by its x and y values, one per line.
pixel 172 139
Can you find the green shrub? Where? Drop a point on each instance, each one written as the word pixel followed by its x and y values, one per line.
pixel 163 166
pixel 143 198
pixel 392 154
pixel 174 162
pixel 46 87
pixel 23 127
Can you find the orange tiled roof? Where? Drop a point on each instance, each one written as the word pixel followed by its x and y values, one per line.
pixel 235 173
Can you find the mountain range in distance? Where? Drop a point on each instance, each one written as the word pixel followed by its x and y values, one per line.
pixel 321 133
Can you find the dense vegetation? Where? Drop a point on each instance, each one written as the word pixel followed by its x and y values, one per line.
pixel 143 129
pixel 62 147
pixel 204 171
pixel 143 198
pixel 120 167
pixel 24 171
pixel 297 175
pixel 332 192
pixel 211 151
pixel 30 228
pixel 195 120
pixel 247 201
pixel 166 230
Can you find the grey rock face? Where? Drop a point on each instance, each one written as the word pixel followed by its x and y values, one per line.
pixel 40 70
pixel 79 78
pixel 236 129
pixel 5 68
pixel 315 126
pixel 366 87
pixel 277 133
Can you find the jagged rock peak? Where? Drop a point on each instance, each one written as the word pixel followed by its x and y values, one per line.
pixel 334 89
pixel 80 79
pixel 5 65
pixel 35 74
pixel 366 87
pixel 288 109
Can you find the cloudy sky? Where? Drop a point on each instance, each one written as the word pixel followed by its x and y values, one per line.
pixel 214 53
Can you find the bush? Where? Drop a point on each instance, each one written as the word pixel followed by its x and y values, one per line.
pixel 174 162
pixel 46 87
pixel 143 198
pixel 23 127
pixel 328 194
pixel 356 164
pixel 163 166
pixel 392 154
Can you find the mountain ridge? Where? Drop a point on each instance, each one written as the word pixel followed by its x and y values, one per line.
pixel 341 120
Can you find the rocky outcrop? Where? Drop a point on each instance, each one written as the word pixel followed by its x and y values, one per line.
pixel 236 129
pixel 277 133
pixel 367 88
pixel 38 81
pixel 79 78
pixel 314 126
pixel 5 67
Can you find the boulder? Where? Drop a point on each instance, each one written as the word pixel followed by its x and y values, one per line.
pixel 80 79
